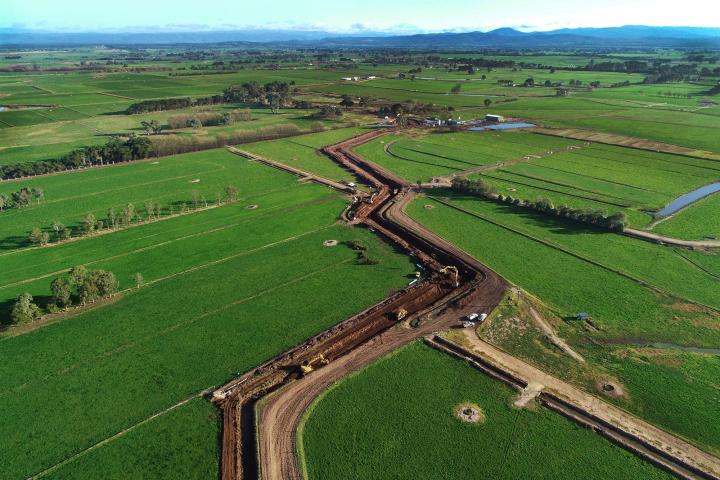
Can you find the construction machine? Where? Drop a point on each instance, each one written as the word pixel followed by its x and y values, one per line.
pixel 452 270
pixel 309 365
pixel 400 314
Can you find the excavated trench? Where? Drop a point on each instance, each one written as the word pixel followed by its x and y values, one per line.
pixel 238 398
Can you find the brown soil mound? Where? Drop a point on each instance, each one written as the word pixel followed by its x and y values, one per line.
pixel 610 388
pixel 330 243
pixel 251 207
pixel 429 207
pixel 470 413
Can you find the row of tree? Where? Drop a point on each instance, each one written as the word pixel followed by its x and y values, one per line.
pixel 175 144
pixel 21 198
pixel 598 218
pixel 162 104
pixel 114 151
pixel 81 286
pixel 275 95
pixel 208 119
pixel 125 217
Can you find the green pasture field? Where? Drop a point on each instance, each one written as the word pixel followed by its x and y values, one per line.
pixel 53 139
pixel 401 408
pixel 697 221
pixel 609 176
pixel 573 270
pixel 181 442
pixel 423 157
pixel 597 176
pixel 194 324
pixel 302 152
pixel 198 233
pixel 69 196
pixel 642 112
pixel 694 129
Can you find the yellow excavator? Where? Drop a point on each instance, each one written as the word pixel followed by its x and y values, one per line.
pixel 400 314
pixel 456 275
pixel 315 362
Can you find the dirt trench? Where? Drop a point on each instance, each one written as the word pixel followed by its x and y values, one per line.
pixel 356 341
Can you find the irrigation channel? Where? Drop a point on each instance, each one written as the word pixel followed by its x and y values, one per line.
pixel 261 410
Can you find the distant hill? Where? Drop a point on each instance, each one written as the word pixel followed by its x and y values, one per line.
pixel 627 36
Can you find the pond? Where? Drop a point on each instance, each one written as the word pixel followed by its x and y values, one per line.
pixel 688 198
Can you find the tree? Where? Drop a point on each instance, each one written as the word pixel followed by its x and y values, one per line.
pixel 111 217
pixel 4 201
pixel 195 123
pixel 150 209
pixel 195 195
pixel 61 291
pixel 347 101
pixel 487 102
pixel 24 310
pixel 138 279
pixel 77 275
pixel 231 193
pixel 128 214
pixel 105 282
pixel 153 127
pixel 455 90
pixel 38 193
pixel 365 101
pixel 89 223
pixel 38 237
pixel 22 197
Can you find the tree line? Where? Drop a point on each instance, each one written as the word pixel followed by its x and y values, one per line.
pixel 176 144
pixel 21 198
pixel 80 287
pixel 598 218
pixel 208 119
pixel 275 95
pixel 125 217
pixel 114 151
pixel 162 104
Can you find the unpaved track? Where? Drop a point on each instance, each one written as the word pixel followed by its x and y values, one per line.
pixel 281 415
pixel 654 237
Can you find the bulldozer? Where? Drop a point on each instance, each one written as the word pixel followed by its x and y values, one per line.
pixel 451 269
pixel 309 365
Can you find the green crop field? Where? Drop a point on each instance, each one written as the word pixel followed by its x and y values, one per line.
pixel 573 270
pixel 165 342
pixel 302 152
pixel 399 411
pixel 217 281
pixel 696 222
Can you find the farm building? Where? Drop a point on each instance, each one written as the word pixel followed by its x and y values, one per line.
pixel 494 118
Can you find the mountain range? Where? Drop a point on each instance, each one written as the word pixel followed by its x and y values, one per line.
pixel 612 37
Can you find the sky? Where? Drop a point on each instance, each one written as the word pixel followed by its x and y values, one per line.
pixel 398 16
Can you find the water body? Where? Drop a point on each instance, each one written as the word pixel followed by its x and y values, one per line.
pixel 501 126
pixel 2 109
pixel 688 198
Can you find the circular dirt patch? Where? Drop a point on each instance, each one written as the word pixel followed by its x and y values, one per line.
pixel 429 207
pixel 330 243
pixel 469 413
pixel 610 388
pixel 251 207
